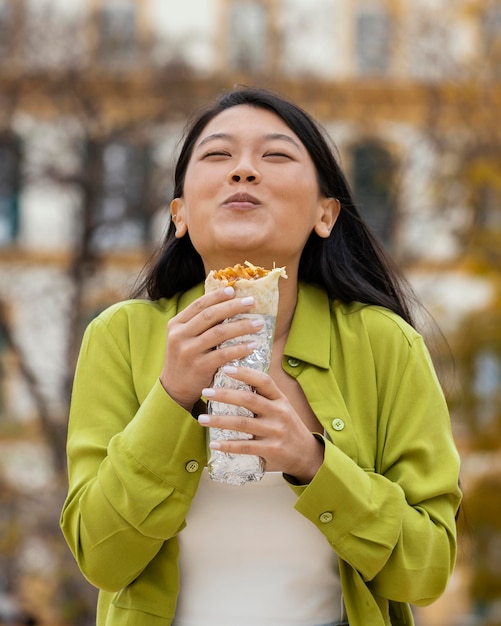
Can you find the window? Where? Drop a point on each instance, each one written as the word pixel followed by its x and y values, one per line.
pixel 373 31
pixel 482 177
pixel 248 36
pixel 492 22
pixel 3 351
pixel 487 385
pixel 372 180
pixel 122 195
pixel 488 215
pixel 491 37
pixel 5 30
pixel 117 32
pixel 9 188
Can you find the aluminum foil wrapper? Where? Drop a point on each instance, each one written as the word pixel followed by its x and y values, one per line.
pixel 238 469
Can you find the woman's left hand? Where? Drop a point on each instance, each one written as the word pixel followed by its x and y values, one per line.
pixel 279 435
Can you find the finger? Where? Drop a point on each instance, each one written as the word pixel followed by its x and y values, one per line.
pixel 185 339
pixel 207 300
pixel 200 352
pixel 210 362
pixel 241 329
pixel 237 446
pixel 212 309
pixel 257 405
pixel 235 423
pixel 215 314
pixel 254 403
pixel 264 385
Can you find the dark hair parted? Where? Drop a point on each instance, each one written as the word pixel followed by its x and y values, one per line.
pixel 350 264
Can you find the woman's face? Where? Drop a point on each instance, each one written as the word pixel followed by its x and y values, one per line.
pixel 251 192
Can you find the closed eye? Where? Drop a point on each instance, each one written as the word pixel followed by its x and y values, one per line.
pixel 216 153
pixel 277 155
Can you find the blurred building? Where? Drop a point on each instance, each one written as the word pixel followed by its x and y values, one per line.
pixel 94 95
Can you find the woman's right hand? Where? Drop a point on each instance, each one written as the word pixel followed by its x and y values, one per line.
pixel 192 336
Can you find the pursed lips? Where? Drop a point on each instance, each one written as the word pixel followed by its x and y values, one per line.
pixel 241 201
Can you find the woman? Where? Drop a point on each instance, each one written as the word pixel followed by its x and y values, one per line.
pixel 355 517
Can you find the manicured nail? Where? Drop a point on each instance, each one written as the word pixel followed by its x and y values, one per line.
pixel 247 301
pixel 230 369
pixel 214 445
pixel 204 418
pixel 209 392
pixel 252 345
pixel 258 322
pixel 229 291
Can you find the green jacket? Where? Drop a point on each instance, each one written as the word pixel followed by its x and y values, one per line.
pixel 385 497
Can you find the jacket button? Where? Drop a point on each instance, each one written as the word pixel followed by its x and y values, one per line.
pixel 338 423
pixel 293 362
pixel 192 466
pixel 326 517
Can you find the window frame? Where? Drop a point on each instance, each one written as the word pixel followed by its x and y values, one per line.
pixel 9 216
pixel 124 228
pixel 116 51
pixel 247 53
pixel 379 212
pixel 373 58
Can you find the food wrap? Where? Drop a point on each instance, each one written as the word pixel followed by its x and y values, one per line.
pixel 262 285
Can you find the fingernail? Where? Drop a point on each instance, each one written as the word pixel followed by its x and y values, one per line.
pixel 258 323
pixel 247 301
pixel 252 345
pixel 209 392
pixel 204 418
pixel 230 369
pixel 214 445
pixel 229 291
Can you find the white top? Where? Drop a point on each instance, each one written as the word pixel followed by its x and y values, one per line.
pixel 248 558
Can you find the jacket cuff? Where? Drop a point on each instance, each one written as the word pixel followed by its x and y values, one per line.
pixel 165 439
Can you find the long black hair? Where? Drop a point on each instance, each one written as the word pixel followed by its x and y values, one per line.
pixel 351 265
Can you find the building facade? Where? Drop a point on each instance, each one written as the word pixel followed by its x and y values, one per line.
pixel 94 95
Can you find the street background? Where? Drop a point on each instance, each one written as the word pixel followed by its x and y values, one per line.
pixel 94 95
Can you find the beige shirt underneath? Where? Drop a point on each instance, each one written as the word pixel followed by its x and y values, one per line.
pixel 247 557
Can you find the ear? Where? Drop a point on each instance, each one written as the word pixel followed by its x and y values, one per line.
pixel 177 214
pixel 329 211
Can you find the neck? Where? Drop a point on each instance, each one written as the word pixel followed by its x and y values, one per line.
pixel 286 307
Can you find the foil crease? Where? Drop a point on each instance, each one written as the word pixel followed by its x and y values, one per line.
pixel 238 469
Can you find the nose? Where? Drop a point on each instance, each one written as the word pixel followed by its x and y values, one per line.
pixel 245 171
pixel 250 178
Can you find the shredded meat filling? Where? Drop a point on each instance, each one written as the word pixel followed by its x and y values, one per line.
pixel 239 271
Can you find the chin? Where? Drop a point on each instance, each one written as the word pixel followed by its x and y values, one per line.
pixel 230 248
pixel 242 243
pixel 230 257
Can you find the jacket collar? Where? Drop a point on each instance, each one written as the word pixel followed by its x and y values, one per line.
pixel 309 336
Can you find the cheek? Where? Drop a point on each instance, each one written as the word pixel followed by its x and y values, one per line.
pixel 303 202
pixel 200 196
pixel 196 194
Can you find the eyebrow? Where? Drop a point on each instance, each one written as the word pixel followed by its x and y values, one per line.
pixel 267 137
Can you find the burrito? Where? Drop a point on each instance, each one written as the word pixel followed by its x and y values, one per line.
pixel 262 285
